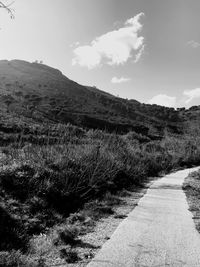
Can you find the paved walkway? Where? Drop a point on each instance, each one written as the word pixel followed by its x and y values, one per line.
pixel 158 232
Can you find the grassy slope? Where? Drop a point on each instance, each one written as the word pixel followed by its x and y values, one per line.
pixel 42 93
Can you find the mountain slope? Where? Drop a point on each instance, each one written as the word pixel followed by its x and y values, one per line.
pixel 41 93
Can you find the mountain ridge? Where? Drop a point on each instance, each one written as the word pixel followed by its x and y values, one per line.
pixel 41 93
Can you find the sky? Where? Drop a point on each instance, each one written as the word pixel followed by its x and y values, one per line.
pixel 148 50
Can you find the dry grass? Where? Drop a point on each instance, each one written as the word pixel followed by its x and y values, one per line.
pixel 191 187
pixel 67 169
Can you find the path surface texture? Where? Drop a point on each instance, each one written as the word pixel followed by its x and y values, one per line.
pixel 158 232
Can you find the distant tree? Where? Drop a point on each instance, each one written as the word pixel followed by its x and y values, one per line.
pixel 8 8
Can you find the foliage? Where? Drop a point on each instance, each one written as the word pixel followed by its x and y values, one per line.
pixel 42 182
pixel 39 93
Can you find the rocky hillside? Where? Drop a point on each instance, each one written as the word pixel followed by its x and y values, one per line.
pixel 38 93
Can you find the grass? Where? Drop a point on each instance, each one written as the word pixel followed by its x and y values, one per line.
pixel 68 170
pixel 68 235
pixel 16 259
pixel 191 187
pixel 70 256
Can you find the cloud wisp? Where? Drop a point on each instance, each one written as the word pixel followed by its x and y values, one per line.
pixel 114 47
pixel 189 97
pixel 139 54
pixel 163 100
pixel 193 44
pixel 120 80
pixel 191 94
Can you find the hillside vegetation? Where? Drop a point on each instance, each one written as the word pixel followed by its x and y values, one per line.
pixel 41 93
pixel 191 187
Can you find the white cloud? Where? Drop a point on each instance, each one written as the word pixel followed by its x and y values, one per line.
pixel 163 100
pixel 115 47
pixel 75 44
pixel 193 44
pixel 120 80
pixel 139 54
pixel 191 94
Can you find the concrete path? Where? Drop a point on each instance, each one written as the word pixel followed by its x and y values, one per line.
pixel 158 232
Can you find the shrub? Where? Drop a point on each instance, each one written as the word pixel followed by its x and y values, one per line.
pixel 12 235
pixel 68 235
pixel 16 259
pixel 70 256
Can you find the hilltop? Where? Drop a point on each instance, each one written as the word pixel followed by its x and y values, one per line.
pixel 38 93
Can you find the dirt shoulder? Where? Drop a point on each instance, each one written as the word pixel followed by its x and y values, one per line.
pixel 191 188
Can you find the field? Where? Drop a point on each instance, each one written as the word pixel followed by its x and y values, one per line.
pixel 60 179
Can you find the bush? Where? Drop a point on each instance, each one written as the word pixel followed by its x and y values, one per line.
pixel 70 256
pixel 12 235
pixel 16 259
pixel 68 235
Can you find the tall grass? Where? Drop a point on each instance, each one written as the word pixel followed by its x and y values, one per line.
pixel 83 164
pixel 52 172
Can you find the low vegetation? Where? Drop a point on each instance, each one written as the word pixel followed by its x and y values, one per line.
pixel 192 190
pixel 63 179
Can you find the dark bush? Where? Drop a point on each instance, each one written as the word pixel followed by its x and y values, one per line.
pixel 12 235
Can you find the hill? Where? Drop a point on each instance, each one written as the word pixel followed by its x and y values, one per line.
pixel 39 93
